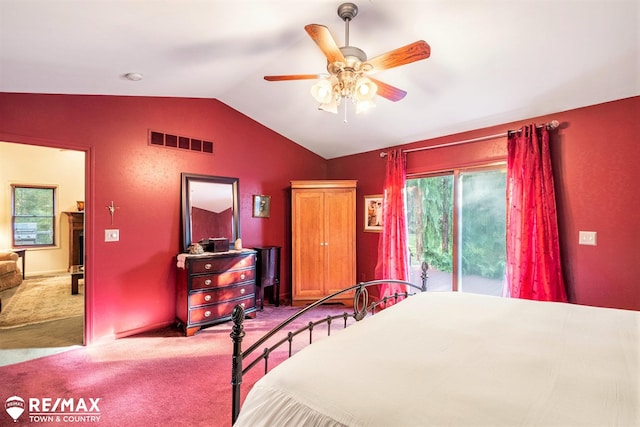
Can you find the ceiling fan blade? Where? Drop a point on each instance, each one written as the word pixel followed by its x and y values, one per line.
pixel 413 52
pixel 323 38
pixel 294 77
pixel 387 91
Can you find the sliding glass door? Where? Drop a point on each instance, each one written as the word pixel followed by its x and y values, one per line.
pixel 430 229
pixel 456 223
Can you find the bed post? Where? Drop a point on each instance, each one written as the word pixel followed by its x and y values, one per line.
pixel 237 334
pixel 424 275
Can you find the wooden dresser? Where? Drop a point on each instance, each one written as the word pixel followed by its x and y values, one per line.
pixel 210 285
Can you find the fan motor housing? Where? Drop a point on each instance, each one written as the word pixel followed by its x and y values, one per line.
pixel 358 53
pixel 353 56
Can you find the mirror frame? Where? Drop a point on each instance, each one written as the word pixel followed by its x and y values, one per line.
pixel 186 179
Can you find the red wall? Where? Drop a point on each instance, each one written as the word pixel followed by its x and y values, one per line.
pixel 595 157
pixel 131 283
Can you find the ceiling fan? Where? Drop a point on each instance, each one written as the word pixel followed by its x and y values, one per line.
pixel 349 69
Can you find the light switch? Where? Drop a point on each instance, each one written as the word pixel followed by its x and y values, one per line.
pixel 111 235
pixel 587 238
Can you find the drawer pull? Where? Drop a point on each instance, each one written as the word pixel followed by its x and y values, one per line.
pixel 207 266
pixel 207 313
pixel 242 291
pixel 207 297
pixel 207 282
pixel 242 276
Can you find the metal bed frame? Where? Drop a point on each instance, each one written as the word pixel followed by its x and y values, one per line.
pixel 361 308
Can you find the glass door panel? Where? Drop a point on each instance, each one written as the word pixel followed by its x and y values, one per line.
pixel 482 227
pixel 430 229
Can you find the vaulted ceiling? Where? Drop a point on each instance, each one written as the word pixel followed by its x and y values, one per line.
pixel 492 61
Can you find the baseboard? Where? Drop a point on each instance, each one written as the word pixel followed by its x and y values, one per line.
pixel 39 274
pixel 130 332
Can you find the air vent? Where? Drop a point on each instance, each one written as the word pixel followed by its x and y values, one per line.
pixel 160 139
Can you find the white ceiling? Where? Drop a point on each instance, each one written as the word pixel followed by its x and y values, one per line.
pixel 492 61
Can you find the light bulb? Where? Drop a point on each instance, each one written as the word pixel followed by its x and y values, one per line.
pixel 365 89
pixel 322 91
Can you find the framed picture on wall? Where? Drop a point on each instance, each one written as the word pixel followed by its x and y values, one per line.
pixel 373 213
pixel 261 206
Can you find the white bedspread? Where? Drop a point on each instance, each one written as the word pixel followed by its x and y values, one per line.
pixel 460 359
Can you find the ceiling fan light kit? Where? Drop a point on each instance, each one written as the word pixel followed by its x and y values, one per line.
pixel 348 68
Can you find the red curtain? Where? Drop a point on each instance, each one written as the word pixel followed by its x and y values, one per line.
pixel 392 245
pixel 533 252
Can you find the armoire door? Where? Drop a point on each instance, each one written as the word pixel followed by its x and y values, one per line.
pixel 308 244
pixel 339 239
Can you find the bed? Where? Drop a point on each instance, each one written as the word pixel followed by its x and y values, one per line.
pixel 451 358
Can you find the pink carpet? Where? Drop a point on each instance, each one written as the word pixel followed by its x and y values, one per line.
pixel 159 378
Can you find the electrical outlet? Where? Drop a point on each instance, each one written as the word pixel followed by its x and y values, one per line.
pixel 111 235
pixel 587 238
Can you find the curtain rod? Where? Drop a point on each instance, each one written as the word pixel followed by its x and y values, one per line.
pixel 550 126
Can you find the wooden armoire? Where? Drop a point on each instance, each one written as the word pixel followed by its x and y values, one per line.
pixel 323 238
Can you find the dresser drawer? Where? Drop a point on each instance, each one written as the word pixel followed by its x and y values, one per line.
pixel 213 311
pixel 210 286
pixel 220 294
pixel 222 279
pixel 214 265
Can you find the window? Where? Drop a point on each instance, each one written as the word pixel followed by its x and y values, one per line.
pixel 457 224
pixel 33 215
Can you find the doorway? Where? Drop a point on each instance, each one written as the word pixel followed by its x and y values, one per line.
pixel 44 266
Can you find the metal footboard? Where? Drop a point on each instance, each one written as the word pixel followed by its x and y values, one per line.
pixel 361 308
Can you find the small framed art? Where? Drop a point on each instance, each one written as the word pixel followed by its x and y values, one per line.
pixel 373 213
pixel 261 206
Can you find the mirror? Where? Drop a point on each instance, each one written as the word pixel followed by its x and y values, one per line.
pixel 209 208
